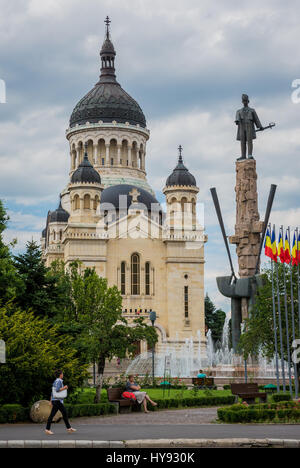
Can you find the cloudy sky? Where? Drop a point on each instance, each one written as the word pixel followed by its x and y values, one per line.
pixel 187 64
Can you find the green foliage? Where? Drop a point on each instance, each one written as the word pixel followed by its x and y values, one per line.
pixel 214 319
pixel 10 282
pixel 33 352
pixel 282 397
pixel 259 330
pixel 45 291
pixel 10 414
pixel 185 402
pixel 287 411
pixel 95 315
pixel 76 411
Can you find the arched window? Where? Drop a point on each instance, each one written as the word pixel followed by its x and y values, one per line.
pixel 76 202
pixel 60 235
pixel 147 278
pixel 123 278
pixel 96 202
pixel 87 202
pixel 135 274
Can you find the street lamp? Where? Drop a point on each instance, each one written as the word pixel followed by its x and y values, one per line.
pixel 152 319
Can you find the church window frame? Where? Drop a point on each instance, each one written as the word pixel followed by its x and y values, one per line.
pixel 123 278
pixel 135 274
pixel 147 279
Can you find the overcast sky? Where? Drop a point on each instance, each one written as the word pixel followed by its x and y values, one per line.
pixel 187 64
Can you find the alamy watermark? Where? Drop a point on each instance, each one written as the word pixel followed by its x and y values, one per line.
pixel 296 352
pixel 2 92
pixel 179 222
pixel 2 352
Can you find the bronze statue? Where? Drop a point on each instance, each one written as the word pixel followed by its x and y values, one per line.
pixel 247 119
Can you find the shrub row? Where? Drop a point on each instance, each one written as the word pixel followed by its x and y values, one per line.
pixel 193 401
pixel 100 409
pixel 13 413
pixel 288 411
pixel 281 396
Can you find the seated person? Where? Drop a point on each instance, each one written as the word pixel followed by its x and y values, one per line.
pixel 141 397
pixel 201 375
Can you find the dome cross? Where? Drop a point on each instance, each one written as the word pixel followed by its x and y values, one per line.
pixel 107 22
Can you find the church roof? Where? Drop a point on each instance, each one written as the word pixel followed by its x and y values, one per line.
pixel 107 101
pixel 85 173
pixel 133 197
pixel 58 216
pixel 181 175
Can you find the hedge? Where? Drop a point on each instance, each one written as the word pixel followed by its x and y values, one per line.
pixel 10 414
pixel 288 411
pixel 281 397
pixel 13 414
pixel 100 409
pixel 193 401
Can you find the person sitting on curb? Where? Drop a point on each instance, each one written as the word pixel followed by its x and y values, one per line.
pixel 141 397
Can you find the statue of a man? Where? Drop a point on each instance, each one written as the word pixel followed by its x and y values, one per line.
pixel 246 118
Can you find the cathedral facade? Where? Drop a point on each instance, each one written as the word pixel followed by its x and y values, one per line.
pixel 110 220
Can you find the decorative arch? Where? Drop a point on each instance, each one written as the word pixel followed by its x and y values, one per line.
pixel 76 202
pixel 87 201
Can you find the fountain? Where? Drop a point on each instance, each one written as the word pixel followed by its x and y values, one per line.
pixel 186 358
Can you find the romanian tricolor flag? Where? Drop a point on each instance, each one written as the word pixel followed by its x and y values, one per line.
pixel 287 250
pixel 268 245
pixel 274 246
pixel 280 248
pixel 298 249
pixel 295 251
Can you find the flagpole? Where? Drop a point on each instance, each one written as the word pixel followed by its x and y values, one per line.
pixel 280 329
pixel 293 312
pixel 287 327
pixel 298 256
pixel 274 319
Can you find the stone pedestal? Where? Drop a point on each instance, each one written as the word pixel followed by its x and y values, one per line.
pixel 248 226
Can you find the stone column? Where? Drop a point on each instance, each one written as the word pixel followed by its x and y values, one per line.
pixel 119 155
pixel 143 154
pixel 78 159
pixel 107 146
pixel 129 155
pixel 248 226
pixel 95 148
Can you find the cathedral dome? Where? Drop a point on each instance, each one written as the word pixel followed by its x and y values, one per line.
pixel 135 197
pixel 107 101
pixel 181 175
pixel 58 216
pixel 85 173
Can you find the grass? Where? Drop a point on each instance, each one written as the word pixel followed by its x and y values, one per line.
pixel 87 395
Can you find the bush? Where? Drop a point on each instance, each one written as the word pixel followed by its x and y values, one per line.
pixel 10 414
pixel 193 402
pixel 282 397
pixel 33 351
pixel 100 409
pixel 287 411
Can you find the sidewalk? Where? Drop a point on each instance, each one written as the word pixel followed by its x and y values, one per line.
pixel 171 428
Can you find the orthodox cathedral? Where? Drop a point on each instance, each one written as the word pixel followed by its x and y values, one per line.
pixel 110 220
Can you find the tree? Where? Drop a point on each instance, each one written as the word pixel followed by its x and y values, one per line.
pixel 259 327
pixel 33 352
pixel 214 319
pixel 10 282
pixel 44 291
pixel 96 313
